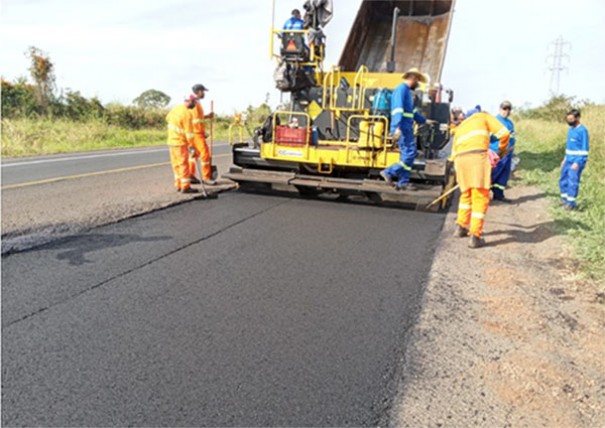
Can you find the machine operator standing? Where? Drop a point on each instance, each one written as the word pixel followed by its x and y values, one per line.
pixel 403 116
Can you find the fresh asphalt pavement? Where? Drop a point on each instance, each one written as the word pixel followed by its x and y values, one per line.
pixel 246 310
pixel 25 170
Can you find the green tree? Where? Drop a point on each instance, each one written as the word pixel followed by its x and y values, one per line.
pixel 152 98
pixel 42 72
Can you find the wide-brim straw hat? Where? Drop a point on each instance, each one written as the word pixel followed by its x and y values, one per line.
pixel 415 72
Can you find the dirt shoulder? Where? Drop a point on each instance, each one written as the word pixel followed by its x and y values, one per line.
pixel 508 336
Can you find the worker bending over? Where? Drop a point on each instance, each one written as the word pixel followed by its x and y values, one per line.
pixel 576 155
pixel 501 173
pixel 403 115
pixel 473 170
pixel 180 137
pixel 200 147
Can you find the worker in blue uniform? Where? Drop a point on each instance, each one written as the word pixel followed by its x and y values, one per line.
pixel 403 115
pixel 576 155
pixel 295 22
pixel 501 173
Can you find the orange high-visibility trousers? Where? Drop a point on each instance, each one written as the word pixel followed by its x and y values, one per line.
pixel 472 209
pixel 201 152
pixel 180 166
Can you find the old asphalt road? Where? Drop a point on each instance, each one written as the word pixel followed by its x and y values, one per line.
pixel 42 169
pixel 247 310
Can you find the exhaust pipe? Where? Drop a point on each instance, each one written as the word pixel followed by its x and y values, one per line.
pixel 391 63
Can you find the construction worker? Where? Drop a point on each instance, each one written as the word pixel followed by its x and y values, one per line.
pixel 576 155
pixel 200 148
pixel 180 137
pixel 456 116
pixel 473 170
pixel 501 173
pixel 295 22
pixel 403 115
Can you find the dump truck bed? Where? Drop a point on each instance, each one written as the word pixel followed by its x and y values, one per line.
pixel 422 35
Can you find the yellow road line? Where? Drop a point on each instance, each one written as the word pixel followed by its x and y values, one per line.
pixel 92 174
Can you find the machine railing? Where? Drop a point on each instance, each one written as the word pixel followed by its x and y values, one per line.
pixel 330 83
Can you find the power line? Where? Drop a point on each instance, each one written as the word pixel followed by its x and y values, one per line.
pixel 560 55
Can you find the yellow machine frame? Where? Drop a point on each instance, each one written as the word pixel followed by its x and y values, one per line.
pixel 372 150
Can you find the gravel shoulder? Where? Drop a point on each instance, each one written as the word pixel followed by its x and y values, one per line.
pixel 508 334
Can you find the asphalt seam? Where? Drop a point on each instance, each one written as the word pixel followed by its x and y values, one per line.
pixel 149 262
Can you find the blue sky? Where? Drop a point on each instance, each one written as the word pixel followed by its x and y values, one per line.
pixel 117 49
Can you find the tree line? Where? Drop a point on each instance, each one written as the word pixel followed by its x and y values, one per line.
pixel 22 99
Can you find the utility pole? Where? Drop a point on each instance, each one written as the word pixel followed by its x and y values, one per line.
pixel 556 60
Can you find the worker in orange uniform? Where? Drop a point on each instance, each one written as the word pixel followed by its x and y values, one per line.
pixel 473 170
pixel 200 147
pixel 180 137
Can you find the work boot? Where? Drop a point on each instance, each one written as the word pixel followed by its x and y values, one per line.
pixel 410 187
pixel 476 242
pixel 194 180
pixel 386 177
pixel 461 232
pixel 504 200
pixel 189 190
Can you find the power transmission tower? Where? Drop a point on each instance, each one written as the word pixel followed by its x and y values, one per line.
pixel 556 59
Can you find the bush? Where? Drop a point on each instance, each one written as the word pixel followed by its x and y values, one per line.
pixel 74 106
pixel 135 117
pixel 19 99
pixel 554 109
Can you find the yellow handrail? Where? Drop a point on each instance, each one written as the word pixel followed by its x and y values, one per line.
pixel 241 133
pixel 359 82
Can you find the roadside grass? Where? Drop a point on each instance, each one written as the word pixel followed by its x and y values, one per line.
pixel 28 137
pixel 541 148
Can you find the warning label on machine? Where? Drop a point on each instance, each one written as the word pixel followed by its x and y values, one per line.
pixel 292 153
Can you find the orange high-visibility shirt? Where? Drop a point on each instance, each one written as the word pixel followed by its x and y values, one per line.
pixel 473 134
pixel 180 127
pixel 197 119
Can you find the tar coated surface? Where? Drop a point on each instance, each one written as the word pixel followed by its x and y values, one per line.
pixel 247 310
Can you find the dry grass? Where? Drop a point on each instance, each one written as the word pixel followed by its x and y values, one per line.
pixel 541 148
pixel 28 137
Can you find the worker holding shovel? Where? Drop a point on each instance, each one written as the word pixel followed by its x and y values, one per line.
pixel 200 147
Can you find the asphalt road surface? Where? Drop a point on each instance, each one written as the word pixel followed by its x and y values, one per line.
pixel 38 169
pixel 247 310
